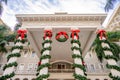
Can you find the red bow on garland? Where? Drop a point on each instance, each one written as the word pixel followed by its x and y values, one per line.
pixel 62 33
pixel 22 33
pixel 101 33
pixel 75 33
pixel 39 63
pixel 48 33
pixel 83 63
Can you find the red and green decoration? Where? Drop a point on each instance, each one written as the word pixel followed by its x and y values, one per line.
pixel 61 36
pixel 47 39
pixel 21 37
pixel 75 39
pixel 100 51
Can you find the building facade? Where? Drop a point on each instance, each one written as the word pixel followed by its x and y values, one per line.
pixel 61 55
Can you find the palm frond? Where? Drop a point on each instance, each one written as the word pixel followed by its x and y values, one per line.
pixel 109 5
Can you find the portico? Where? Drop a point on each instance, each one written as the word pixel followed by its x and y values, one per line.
pixel 35 24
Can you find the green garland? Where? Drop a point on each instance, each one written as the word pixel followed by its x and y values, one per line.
pixel 13 55
pixel 16 47
pixel 62 39
pixel 113 67
pixel 42 66
pixel 44 76
pixel 44 49
pixel 22 41
pixel 5 77
pixel 100 53
pixel 111 57
pixel 46 41
pixel 79 66
pixel 10 65
pixel 76 48
pixel 76 41
pixel 45 57
pixel 77 56
pixel 114 77
pixel 79 77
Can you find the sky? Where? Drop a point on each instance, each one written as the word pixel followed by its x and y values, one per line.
pixel 49 7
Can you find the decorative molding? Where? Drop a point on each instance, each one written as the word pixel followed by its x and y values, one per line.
pixel 61 17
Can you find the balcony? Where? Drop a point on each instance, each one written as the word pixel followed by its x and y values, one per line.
pixel 61 70
pixel 26 72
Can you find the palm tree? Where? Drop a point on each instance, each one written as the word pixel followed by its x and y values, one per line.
pixel 106 48
pixel 3 29
pixel 112 37
pixel 1 6
pixel 110 5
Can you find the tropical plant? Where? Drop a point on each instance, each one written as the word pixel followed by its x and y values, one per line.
pixel 3 30
pixel 110 4
pixel 1 6
pixel 112 37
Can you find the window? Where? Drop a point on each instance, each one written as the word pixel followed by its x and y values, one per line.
pixel 97 66
pixel 30 66
pixel 102 67
pixel 90 54
pixel 35 66
pixel 96 79
pixel 21 67
pixel 92 68
pixel 25 53
pixel 105 79
pixel 86 67
pixel 33 54
pixel 60 66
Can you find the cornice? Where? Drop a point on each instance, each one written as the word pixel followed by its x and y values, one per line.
pixel 60 17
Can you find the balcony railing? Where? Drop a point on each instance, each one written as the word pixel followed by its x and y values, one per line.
pixel 27 72
pixel 61 70
pixel 33 72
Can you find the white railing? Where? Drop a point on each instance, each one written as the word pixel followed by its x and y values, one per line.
pixel 29 72
pixel 62 70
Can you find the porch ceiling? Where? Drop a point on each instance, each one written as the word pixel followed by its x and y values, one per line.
pixel 87 24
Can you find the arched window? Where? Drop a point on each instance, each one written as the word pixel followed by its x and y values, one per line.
pixel 17 79
pixel 105 79
pixel 88 79
pixel 25 79
pixel 96 79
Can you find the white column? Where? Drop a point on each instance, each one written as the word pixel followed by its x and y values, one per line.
pixel 77 55
pixel 77 60
pixel 114 72
pixel 10 70
pixel 44 61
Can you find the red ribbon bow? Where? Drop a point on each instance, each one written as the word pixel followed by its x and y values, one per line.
pixel 75 33
pixel 48 33
pixel 39 63
pixel 101 33
pixel 62 33
pixel 83 63
pixel 22 33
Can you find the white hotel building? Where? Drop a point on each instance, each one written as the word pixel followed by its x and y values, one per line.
pixel 61 54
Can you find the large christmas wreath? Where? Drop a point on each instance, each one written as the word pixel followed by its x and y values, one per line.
pixel 61 36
